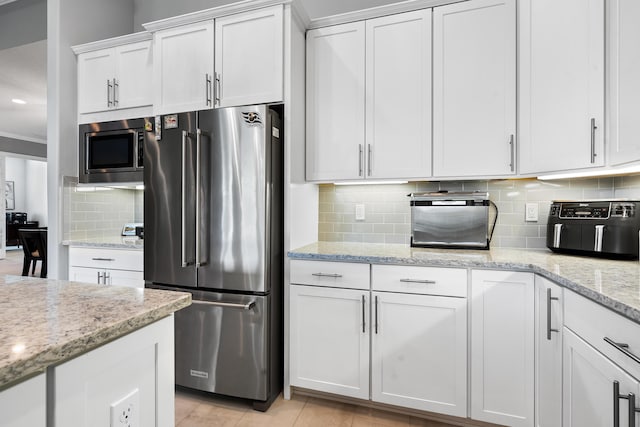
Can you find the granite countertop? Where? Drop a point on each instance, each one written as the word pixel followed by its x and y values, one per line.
pixel 115 242
pixel 44 322
pixel 614 284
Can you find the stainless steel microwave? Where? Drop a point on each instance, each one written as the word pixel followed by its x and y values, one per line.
pixel 112 151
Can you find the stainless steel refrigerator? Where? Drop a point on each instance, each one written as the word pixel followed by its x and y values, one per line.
pixel 213 210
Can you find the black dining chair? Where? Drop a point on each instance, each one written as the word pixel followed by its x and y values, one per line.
pixel 34 245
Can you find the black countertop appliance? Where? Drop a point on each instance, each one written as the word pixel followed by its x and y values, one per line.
pixel 605 228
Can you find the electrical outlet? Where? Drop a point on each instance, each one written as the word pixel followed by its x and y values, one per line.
pixel 126 411
pixel 359 212
pixel 531 212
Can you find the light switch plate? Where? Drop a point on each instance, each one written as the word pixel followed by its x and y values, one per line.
pixel 359 212
pixel 531 212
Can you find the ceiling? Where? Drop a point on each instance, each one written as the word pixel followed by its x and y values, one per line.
pixel 23 75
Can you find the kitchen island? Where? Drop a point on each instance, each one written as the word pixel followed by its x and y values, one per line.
pixel 90 346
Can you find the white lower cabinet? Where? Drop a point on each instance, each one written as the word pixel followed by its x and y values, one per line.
pixel 548 370
pixel 409 345
pixel 330 340
pixel 588 386
pixel 419 352
pixel 119 267
pixel 502 347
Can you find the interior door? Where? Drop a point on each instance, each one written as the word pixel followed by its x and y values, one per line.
pixel 169 202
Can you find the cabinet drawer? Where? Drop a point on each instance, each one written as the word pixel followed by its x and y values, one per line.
pixel 419 280
pixel 594 323
pixel 118 259
pixel 331 274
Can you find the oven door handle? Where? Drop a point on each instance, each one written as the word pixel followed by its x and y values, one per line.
pixel 247 306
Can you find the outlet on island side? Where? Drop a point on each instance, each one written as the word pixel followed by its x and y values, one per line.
pixel 531 212
pixel 126 411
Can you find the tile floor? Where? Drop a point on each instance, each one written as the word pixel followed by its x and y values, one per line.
pixel 198 410
pixel 12 264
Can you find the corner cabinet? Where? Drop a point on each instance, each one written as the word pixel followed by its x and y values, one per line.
pixel 561 99
pixel 183 68
pixel 502 347
pixel 115 78
pixel 368 99
pixel 474 88
pixel 249 57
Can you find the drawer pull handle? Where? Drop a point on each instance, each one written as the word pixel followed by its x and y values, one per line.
pixel 326 275
pixel 549 328
pixel 624 348
pixel 427 282
pixel 103 259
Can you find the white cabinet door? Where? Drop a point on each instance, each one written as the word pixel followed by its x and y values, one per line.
pixel 624 85
pixel 25 404
pixel 561 110
pixel 549 322
pixel 419 352
pixel 249 57
pixel 474 88
pixel 502 347
pixel 398 96
pixel 329 340
pixel 134 70
pixel 96 71
pixel 336 102
pixel 183 68
pixel 588 386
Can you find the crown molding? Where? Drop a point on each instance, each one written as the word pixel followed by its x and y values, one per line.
pixel 376 12
pixel 112 42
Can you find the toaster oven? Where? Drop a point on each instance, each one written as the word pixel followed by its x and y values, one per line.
pixel 450 220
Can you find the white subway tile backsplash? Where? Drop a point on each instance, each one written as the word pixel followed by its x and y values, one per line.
pixel 388 214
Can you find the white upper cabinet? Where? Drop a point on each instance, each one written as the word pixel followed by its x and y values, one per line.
pixel 561 110
pixel 115 78
pixel 474 88
pixel 369 99
pixel 398 94
pixel 183 68
pixel 336 102
pixel 249 57
pixel 134 67
pixel 624 84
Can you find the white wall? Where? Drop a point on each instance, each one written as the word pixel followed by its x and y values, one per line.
pixel 22 22
pixel 70 22
pixel 30 186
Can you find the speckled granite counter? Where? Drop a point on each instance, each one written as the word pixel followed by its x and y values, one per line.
pixel 614 284
pixel 44 322
pixel 116 242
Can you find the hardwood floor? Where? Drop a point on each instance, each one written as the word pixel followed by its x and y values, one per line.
pixel 199 410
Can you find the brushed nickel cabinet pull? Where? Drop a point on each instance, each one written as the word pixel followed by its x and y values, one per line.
pixel 326 275
pixel 549 299
pixel 426 282
pixel 624 348
pixel 593 140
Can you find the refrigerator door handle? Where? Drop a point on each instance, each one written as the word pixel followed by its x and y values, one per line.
pixel 247 306
pixel 199 134
pixel 183 221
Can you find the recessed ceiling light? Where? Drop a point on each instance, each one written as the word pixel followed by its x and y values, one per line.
pixel 18 101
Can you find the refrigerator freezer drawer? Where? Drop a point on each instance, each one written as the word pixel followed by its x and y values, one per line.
pixel 221 344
